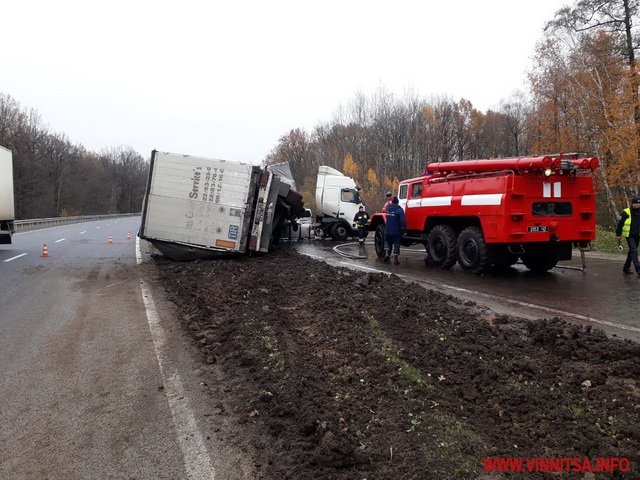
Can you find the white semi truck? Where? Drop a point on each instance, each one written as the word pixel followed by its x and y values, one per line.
pixel 337 202
pixel 197 207
pixel 7 208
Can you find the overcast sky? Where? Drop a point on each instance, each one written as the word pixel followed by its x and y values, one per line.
pixel 227 78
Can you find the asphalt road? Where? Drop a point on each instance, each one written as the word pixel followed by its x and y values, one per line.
pixel 91 386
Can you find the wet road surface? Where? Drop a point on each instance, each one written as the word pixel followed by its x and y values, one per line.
pixel 600 296
pixel 91 385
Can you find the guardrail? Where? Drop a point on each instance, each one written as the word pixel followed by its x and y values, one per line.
pixel 35 223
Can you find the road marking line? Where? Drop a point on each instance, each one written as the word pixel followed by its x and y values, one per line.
pixel 361 267
pixel 36 230
pixel 491 296
pixel 138 254
pixel 13 258
pixel 195 456
pixel 520 303
pixel 61 240
pixel 84 231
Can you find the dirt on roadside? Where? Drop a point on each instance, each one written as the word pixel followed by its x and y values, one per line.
pixel 334 374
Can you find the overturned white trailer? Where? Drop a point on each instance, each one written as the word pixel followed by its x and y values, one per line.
pixel 197 207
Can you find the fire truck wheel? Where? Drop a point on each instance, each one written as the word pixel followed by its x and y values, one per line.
pixel 473 254
pixel 339 231
pixel 378 240
pixel 441 247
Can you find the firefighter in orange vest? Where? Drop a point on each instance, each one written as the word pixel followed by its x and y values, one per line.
pixel 629 228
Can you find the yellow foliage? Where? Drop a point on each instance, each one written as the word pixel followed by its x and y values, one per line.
pixel 350 167
pixel 585 103
pixel 372 177
pixel 391 184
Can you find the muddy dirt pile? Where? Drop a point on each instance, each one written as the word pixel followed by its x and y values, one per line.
pixel 334 374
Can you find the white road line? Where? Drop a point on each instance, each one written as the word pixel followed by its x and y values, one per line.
pixel 316 257
pixel 491 296
pixel 195 456
pixel 369 269
pixel 35 230
pixel 97 227
pixel 138 254
pixel 84 231
pixel 61 240
pixel 521 303
pixel 13 258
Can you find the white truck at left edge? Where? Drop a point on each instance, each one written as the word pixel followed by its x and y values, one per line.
pixel 7 210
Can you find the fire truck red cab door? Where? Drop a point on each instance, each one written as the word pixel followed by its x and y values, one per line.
pixel 403 193
pixel 414 202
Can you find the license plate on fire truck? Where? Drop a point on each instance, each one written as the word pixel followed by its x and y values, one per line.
pixel 537 229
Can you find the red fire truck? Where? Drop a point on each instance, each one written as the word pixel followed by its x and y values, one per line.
pixel 480 213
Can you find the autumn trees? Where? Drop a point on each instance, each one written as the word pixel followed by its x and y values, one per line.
pixel 53 176
pixel 380 139
pixel 585 92
pixel 584 97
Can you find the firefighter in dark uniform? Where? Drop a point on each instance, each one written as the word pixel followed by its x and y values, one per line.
pixel 629 228
pixel 360 223
pixel 395 226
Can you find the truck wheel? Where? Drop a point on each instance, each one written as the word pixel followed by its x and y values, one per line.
pixel 339 231
pixel 441 247
pixel 319 232
pixel 540 261
pixel 473 254
pixel 378 240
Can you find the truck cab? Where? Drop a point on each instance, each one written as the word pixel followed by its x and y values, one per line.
pixel 337 201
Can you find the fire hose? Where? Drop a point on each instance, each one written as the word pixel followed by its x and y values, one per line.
pixel 337 250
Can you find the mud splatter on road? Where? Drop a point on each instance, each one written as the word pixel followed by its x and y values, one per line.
pixel 335 374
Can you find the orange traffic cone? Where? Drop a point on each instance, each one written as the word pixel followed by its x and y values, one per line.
pixel 110 239
pixel 128 235
pixel 44 251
